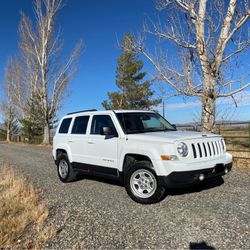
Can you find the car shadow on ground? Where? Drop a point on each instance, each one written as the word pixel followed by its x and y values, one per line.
pixel 208 184
pixel 82 177
pixel 199 245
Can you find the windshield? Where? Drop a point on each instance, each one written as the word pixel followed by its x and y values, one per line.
pixel 133 123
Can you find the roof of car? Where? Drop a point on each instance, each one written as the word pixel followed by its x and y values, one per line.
pixel 131 111
pixel 105 111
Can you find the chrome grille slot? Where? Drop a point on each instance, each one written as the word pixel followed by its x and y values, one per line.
pixel 199 147
pixel 223 145
pixel 207 149
pixel 220 145
pixel 194 151
pixel 213 147
pixel 216 145
pixel 210 152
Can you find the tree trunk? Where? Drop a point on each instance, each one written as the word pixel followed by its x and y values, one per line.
pixel 208 107
pixel 8 135
pixel 46 134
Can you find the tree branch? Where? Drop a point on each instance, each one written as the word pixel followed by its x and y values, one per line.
pixel 235 92
pixel 238 26
pixel 190 91
pixel 239 50
pixel 189 8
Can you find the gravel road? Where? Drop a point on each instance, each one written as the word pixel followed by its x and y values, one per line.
pixel 91 213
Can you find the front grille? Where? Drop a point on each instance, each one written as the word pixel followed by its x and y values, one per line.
pixel 207 149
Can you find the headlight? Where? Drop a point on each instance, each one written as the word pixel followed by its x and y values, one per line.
pixel 182 149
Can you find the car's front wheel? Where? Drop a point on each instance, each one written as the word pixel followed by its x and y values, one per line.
pixel 142 184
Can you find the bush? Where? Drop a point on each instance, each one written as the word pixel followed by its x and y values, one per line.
pixel 23 215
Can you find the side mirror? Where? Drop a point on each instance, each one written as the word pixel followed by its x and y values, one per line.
pixel 107 131
pixel 174 126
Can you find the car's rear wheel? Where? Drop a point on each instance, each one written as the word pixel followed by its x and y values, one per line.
pixel 142 184
pixel 64 169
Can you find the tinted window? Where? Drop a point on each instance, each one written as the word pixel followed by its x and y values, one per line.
pixel 143 122
pixel 100 121
pixel 65 126
pixel 152 122
pixel 80 125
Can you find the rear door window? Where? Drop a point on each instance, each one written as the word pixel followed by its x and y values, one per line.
pixel 80 125
pixel 64 128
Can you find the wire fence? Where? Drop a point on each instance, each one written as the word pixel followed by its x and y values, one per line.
pixel 36 140
pixel 236 135
pixel 2 135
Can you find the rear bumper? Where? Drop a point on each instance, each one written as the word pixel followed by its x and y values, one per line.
pixel 188 178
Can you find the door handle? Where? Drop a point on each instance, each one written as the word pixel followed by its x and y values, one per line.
pixel 70 141
pixel 90 142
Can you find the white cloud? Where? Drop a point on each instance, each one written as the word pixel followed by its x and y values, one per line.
pixel 183 105
pixel 241 98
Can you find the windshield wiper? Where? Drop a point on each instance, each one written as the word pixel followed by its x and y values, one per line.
pixel 159 130
pixel 136 131
pixel 149 131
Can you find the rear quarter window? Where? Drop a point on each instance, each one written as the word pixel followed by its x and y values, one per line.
pixel 64 128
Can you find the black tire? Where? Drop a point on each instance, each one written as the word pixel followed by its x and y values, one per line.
pixel 71 175
pixel 160 189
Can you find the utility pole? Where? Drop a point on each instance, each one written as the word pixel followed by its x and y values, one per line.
pixel 163 108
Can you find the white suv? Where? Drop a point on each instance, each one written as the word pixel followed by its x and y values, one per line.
pixel 139 148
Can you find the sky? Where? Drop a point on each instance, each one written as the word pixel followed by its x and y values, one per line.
pixel 101 24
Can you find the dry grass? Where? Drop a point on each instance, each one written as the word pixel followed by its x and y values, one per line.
pixel 241 163
pixel 23 215
pixel 25 144
pixel 234 141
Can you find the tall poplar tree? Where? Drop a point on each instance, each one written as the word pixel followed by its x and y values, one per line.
pixel 133 93
pixel 47 74
pixel 207 38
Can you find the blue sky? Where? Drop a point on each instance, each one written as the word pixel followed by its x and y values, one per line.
pixel 100 23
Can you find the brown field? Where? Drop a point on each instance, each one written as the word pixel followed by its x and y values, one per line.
pixel 238 140
pixel 241 163
pixel 23 215
pixel 238 143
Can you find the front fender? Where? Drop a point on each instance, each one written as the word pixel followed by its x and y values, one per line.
pixel 151 152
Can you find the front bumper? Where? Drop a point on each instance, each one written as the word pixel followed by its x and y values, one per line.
pixel 187 178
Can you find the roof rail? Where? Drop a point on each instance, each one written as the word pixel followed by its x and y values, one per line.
pixel 87 110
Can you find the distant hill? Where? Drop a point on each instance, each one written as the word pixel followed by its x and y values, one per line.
pixel 220 122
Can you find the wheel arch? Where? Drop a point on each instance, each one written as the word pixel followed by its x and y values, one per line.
pixel 131 158
pixel 60 151
pixel 65 150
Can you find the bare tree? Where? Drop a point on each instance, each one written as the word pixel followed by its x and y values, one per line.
pixel 207 36
pixel 45 74
pixel 7 105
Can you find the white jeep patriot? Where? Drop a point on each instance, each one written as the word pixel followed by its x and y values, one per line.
pixel 139 148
